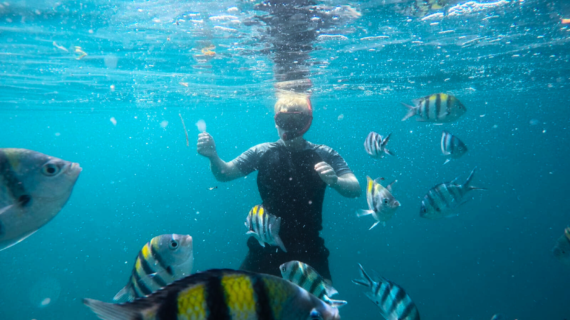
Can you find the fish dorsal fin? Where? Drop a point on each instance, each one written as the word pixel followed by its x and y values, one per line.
pixel 385 140
pixel 377 180
pixel 389 187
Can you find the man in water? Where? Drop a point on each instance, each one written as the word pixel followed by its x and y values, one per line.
pixel 292 178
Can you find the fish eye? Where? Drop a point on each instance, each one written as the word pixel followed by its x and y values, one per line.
pixel 173 244
pixel 385 201
pixel 50 169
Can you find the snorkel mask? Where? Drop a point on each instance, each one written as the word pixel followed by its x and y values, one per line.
pixel 294 124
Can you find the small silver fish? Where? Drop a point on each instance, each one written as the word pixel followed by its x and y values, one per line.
pixel 264 227
pixel 34 187
pixel 451 146
pixel 442 200
pixel 498 316
pixel 375 145
pixel 393 301
pixel 309 279
pixel 562 248
pixel 438 108
pixel 381 203
pixel 162 260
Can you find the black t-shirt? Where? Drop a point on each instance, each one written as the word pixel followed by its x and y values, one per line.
pixel 248 161
pixel 291 188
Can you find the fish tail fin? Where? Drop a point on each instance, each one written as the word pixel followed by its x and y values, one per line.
pixel 411 111
pixel 275 227
pixel 362 213
pixel 334 303
pixel 110 311
pixel 366 280
pixel 385 141
pixel 467 185
pixel 329 289
pixel 389 152
pixel 121 294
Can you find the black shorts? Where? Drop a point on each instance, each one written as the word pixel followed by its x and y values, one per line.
pixel 267 260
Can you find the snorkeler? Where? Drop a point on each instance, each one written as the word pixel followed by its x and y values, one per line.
pixel 293 174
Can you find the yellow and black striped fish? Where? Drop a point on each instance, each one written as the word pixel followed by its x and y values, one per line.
pixel 439 107
pixel 222 294
pixel 309 279
pixel 161 261
pixel 264 227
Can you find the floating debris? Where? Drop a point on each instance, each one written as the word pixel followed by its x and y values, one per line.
pixel 185 131
pixel 82 54
pixel 60 47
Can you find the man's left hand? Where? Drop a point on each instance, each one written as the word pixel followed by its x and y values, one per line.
pixel 326 172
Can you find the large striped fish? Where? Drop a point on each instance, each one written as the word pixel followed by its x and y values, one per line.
pixel 393 301
pixel 375 145
pixel 33 189
pixel 381 203
pixel 442 200
pixel 451 146
pixel 309 279
pixel 264 227
pixel 562 248
pixel 439 108
pixel 161 261
pixel 222 295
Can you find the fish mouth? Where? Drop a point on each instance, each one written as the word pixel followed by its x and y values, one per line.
pixel 73 170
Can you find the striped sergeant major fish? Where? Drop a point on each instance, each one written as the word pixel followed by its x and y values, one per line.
pixel 264 227
pixel 438 108
pixel 309 279
pixel 442 200
pixel 34 187
pixel 393 301
pixel 375 145
pixel 381 203
pixel 222 295
pixel 562 248
pixel 451 146
pixel 161 261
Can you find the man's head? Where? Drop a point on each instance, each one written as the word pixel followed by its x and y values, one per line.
pixel 293 115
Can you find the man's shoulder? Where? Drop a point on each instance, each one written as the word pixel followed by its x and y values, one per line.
pixel 320 148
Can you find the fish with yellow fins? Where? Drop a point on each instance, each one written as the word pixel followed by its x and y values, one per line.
pixel 161 261
pixel 264 227
pixel 438 108
pixel 562 248
pixel 222 294
pixel 381 203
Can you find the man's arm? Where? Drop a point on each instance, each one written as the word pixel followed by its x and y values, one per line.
pixel 223 171
pixel 347 184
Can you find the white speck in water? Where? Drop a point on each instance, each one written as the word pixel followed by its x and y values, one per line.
pixel 544 131
pixel 57 134
pixel 164 124
pixel 113 121
pixel 533 122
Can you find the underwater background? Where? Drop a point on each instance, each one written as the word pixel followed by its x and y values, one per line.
pixel 116 112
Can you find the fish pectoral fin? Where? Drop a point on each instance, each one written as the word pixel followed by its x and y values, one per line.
pixel 110 311
pixel 374 225
pixel 6 208
pixel 362 213
pixel 121 294
pixel 261 243
pixel 446 161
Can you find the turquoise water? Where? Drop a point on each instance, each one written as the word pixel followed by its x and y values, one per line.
pixel 508 64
